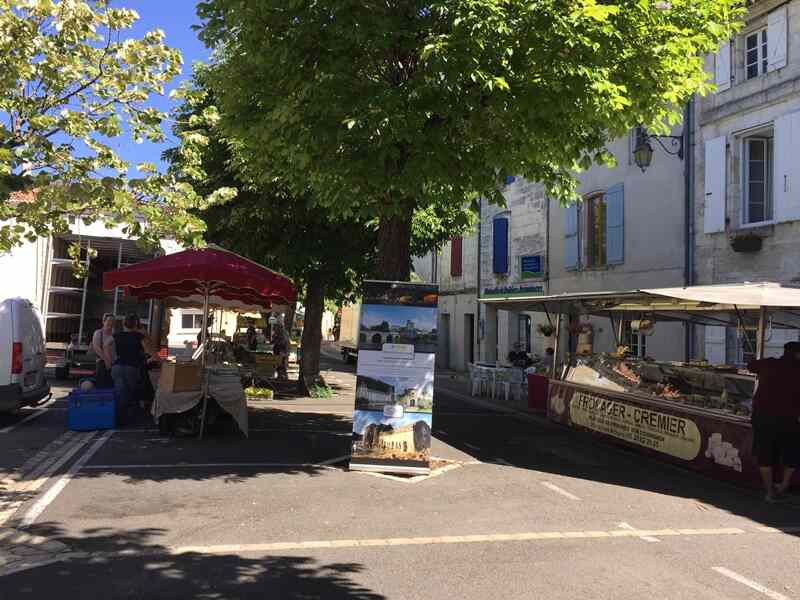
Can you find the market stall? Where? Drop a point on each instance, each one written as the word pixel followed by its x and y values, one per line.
pixel 693 413
pixel 208 278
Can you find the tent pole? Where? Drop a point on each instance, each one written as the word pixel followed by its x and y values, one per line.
pixel 762 318
pixel 556 344
pixel 203 363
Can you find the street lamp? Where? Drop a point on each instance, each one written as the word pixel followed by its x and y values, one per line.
pixel 643 154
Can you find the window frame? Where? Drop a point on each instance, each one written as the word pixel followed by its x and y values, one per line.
pixel 640 342
pixel 768 137
pixel 194 314
pixel 589 229
pixel 762 48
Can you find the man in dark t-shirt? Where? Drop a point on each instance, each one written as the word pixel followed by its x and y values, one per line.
pixel 776 417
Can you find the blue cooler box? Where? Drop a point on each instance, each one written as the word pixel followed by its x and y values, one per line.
pixel 95 409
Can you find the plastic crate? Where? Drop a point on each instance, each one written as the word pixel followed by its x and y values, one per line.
pixel 96 409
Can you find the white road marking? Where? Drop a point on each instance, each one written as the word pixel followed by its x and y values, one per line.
pixel 471 447
pixel 503 461
pixel 34 479
pixel 333 461
pixel 42 503
pixel 440 432
pixel 424 541
pixel 209 465
pixel 753 585
pixel 37 413
pixel 646 538
pixel 553 487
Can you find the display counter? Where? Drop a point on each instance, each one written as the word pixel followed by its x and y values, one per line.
pixel 692 415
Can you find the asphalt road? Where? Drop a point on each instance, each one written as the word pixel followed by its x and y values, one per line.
pixel 522 510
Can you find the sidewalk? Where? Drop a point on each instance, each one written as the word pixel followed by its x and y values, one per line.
pixel 457 384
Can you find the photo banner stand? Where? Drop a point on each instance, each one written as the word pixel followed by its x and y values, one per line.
pixel 397 341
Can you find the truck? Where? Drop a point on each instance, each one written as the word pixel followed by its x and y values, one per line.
pixel 43 272
pixel 348 332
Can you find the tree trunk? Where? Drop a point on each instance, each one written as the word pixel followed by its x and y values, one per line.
pixel 312 334
pixel 394 248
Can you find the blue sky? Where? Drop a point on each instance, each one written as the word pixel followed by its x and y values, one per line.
pixel 176 18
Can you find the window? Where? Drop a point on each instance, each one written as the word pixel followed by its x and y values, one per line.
pixel 594 211
pixel 191 320
pixel 757 154
pixel 756 58
pixel 500 249
pixel 636 342
pixel 455 257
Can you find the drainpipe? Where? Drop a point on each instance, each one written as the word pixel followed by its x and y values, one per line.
pixel 478 286
pixel 689 175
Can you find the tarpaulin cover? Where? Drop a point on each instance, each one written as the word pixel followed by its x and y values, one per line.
pixel 232 280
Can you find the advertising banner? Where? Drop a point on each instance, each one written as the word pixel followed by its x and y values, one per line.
pixel 397 343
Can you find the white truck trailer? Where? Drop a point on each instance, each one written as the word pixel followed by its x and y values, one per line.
pixel 43 272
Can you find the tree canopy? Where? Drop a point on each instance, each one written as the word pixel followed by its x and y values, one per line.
pixel 382 108
pixel 70 83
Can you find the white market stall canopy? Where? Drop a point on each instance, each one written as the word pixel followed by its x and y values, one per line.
pixel 708 304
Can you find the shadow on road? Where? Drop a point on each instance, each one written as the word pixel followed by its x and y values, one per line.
pixel 131 564
pixel 550 448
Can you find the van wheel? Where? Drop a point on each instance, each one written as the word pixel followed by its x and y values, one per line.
pixel 62 372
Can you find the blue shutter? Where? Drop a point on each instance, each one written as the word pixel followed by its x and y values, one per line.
pixel 615 225
pixel 500 238
pixel 571 237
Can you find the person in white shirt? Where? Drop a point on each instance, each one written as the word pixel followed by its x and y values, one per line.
pixel 101 340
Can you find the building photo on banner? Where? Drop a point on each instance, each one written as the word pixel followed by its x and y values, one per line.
pixel 397 340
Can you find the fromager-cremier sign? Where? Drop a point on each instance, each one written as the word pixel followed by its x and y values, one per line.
pixel 670 434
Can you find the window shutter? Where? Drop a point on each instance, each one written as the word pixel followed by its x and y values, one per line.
pixel 722 67
pixel 715 185
pixel 776 38
pixel 455 257
pixel 500 236
pixel 715 344
pixel 615 224
pixel 786 189
pixel 571 237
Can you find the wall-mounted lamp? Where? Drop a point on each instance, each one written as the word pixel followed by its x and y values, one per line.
pixel 643 154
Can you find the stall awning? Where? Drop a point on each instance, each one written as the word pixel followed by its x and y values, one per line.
pixel 712 304
pixel 184 278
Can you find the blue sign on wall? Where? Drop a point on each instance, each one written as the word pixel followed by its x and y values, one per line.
pixel 530 267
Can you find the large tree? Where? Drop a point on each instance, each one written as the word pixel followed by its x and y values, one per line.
pixel 385 107
pixel 71 82
pixel 281 225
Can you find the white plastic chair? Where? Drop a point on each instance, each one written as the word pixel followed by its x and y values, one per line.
pixel 486 380
pixel 474 379
pixel 502 381
pixel 517 379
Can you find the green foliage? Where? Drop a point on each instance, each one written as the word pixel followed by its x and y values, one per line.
pixel 259 392
pixel 382 108
pixel 69 83
pixel 320 391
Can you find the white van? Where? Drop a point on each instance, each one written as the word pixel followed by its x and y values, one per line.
pixel 22 355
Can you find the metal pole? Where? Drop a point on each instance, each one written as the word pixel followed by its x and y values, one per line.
pixel 116 289
pixel 203 362
pixel 762 318
pixel 85 286
pixel 556 345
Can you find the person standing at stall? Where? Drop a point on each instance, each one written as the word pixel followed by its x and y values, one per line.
pixel 776 418
pixel 280 347
pixel 128 352
pixel 101 338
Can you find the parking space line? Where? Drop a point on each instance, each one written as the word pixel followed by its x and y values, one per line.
pixel 42 503
pixel 597 536
pixel 753 585
pixel 224 465
pixel 36 414
pixel 554 488
pixel 641 535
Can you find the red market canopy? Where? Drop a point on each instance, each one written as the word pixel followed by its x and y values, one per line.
pixel 184 278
